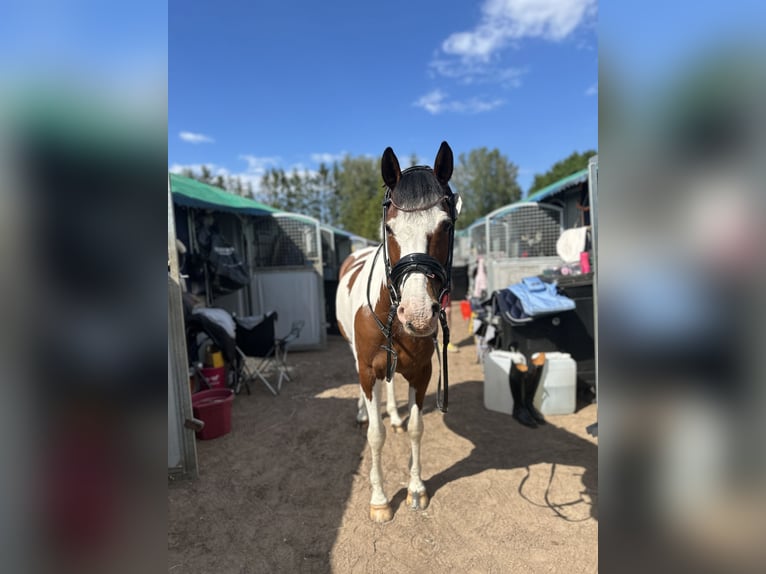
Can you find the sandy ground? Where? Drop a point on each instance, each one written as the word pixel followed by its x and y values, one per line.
pixel 287 490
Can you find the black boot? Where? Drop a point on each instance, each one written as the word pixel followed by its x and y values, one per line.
pixel 516 380
pixel 531 382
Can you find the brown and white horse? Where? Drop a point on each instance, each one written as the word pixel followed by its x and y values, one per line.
pixel 389 301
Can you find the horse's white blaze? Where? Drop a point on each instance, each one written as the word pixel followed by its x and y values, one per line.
pixel 411 231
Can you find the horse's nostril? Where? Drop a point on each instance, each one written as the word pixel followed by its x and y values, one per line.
pixel 410 325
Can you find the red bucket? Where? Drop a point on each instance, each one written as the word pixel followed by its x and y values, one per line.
pixel 465 309
pixel 213 407
pixel 216 376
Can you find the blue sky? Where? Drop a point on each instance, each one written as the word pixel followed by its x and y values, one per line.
pixel 254 85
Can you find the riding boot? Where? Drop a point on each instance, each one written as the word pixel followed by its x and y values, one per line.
pixel 516 380
pixel 531 382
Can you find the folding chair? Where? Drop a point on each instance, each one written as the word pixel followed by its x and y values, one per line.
pixel 255 339
pixel 281 346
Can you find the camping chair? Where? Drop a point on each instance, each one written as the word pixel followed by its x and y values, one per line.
pixel 255 338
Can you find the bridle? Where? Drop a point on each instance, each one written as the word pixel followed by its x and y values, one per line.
pixel 423 264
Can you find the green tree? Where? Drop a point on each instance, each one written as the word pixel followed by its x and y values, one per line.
pixel 274 188
pixel 327 196
pixel 561 169
pixel 359 189
pixel 485 181
pixel 205 175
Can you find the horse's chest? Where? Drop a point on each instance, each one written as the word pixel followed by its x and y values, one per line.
pixel 413 357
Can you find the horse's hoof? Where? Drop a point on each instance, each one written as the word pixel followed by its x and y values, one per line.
pixel 417 500
pixel 398 429
pixel 381 512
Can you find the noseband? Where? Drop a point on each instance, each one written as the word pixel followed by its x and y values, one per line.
pixel 397 274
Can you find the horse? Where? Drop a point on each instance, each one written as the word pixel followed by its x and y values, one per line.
pixel 389 302
pixel 362 418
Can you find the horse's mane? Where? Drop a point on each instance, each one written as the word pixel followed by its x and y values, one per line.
pixel 418 188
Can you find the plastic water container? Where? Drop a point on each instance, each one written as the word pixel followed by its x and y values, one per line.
pixel 557 393
pixel 497 391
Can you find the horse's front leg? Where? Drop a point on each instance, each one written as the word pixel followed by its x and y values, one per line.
pixel 393 412
pixel 361 409
pixel 417 497
pixel 380 509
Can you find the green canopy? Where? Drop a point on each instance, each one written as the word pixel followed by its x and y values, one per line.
pixel 192 193
pixel 562 184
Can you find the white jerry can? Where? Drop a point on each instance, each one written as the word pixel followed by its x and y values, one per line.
pixel 557 393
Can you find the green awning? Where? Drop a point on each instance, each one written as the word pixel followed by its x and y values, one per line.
pixel 562 184
pixel 192 193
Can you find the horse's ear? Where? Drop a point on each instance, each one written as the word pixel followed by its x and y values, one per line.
pixel 389 168
pixel 443 163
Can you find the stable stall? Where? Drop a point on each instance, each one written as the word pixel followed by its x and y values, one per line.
pixel 571 194
pixel 520 239
pixel 546 237
pixel 287 274
pixel 249 258
pixel 213 226
pixel 516 241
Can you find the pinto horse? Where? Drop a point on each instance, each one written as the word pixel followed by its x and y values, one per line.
pixel 389 301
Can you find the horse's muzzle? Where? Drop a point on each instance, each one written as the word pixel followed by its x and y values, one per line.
pixel 419 321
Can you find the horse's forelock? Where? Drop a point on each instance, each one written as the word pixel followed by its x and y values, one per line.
pixel 418 188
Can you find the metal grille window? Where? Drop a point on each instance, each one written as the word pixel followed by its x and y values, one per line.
pixel 523 230
pixel 477 233
pixel 286 240
pixel 517 230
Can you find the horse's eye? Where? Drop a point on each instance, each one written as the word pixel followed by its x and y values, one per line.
pixel 447 226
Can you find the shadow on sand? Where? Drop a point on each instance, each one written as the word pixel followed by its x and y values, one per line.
pixel 501 443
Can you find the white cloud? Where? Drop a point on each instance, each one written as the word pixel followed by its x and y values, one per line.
pixel 473 56
pixel 191 137
pixel 466 71
pixel 432 102
pixel 592 90
pixel 259 164
pixel 503 21
pixel 437 102
pixel 327 158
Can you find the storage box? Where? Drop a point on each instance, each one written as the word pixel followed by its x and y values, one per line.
pixel 556 394
pixel 213 407
pixel 497 392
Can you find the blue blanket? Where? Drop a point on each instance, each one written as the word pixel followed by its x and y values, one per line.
pixel 532 298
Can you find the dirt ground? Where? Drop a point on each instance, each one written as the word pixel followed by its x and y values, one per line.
pixel 288 491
